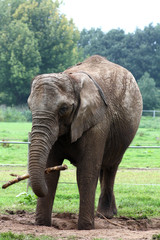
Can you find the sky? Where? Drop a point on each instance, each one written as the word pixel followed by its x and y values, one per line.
pixel 112 14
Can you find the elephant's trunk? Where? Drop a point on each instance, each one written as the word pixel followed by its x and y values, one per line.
pixel 43 136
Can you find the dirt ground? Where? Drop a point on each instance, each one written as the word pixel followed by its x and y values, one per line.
pixel 64 225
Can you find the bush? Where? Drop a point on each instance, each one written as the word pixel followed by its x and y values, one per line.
pixel 15 114
pixel 150 93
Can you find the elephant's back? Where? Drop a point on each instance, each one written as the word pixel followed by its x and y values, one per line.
pixel 116 81
pixel 118 84
pixel 120 89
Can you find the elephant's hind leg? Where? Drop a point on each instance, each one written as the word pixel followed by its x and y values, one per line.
pixel 107 205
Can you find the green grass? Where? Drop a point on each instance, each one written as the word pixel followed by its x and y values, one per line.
pixel 148 135
pixel 138 201
pixel 137 192
pixel 141 158
pixel 14 153
pixel 15 131
pixel 12 236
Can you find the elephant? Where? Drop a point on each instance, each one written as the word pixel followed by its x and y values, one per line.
pixel 88 114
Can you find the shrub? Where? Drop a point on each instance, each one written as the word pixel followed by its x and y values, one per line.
pixel 15 114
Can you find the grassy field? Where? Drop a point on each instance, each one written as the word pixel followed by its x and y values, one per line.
pixel 148 135
pixel 12 236
pixel 14 153
pixel 137 192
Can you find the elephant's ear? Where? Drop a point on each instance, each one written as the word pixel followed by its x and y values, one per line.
pixel 88 112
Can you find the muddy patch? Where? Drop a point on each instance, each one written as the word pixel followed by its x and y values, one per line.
pixel 64 225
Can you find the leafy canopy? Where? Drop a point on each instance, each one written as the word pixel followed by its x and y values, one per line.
pixel 139 52
pixel 35 38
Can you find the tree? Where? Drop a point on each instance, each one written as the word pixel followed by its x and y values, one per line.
pixel 92 42
pixel 149 92
pixel 111 44
pixel 34 38
pixel 57 37
pixel 145 52
pixel 7 8
pixel 139 52
pixel 19 60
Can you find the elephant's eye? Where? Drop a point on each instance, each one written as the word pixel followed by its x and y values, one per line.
pixel 63 110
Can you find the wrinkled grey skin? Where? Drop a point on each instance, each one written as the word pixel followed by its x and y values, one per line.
pixel 71 120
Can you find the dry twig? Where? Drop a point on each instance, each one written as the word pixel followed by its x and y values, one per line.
pixel 25 176
pixel 116 224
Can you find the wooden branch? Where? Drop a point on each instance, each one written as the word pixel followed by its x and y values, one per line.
pixel 56 168
pixel 25 176
pixel 15 180
pixel 116 224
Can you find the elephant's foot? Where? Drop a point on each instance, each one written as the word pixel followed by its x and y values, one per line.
pixel 106 209
pixel 84 224
pixel 43 221
pixel 106 205
pixel 108 213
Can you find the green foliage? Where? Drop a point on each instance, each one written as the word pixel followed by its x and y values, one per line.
pixel 149 92
pixel 34 38
pixel 57 37
pixel 156 237
pixel 92 41
pixel 19 60
pixel 139 52
pixel 26 198
pixel 15 114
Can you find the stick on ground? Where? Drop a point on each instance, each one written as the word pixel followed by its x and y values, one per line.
pixel 116 224
pixel 25 176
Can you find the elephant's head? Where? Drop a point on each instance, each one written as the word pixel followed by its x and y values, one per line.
pixel 60 103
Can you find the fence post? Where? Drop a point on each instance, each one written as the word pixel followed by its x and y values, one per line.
pixel 154 113
pixel 29 140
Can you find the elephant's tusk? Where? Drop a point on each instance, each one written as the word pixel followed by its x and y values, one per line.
pixel 25 176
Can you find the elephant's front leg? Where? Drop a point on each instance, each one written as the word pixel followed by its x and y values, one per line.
pixel 44 205
pixel 87 183
pixel 88 169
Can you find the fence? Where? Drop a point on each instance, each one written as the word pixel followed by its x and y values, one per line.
pixel 16 142
pixel 74 182
pixel 152 113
